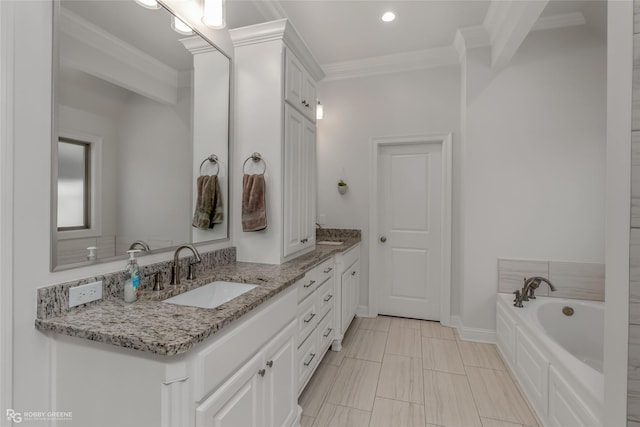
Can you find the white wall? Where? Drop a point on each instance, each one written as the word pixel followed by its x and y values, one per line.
pixel 30 62
pixel 355 110
pixel 165 197
pixel 534 161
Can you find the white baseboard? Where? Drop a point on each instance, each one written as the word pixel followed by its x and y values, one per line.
pixel 473 334
pixel 363 311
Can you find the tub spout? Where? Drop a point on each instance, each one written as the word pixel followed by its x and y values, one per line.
pixel 530 285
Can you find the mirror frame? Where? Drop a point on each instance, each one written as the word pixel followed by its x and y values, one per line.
pixel 53 247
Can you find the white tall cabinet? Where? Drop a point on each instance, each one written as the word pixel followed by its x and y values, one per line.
pixel 275 106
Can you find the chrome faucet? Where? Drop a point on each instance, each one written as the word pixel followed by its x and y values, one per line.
pixel 527 292
pixel 140 243
pixel 175 270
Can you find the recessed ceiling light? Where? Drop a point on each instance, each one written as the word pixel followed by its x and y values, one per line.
pixel 388 16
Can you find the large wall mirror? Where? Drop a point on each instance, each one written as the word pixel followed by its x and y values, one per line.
pixel 141 111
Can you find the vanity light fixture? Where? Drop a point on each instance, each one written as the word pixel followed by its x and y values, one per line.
pixel 388 16
pixel 319 111
pixel 180 27
pixel 148 4
pixel 213 14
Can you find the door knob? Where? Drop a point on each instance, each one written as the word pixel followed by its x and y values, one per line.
pixel 383 239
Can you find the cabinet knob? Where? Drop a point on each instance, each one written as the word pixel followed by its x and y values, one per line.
pixel 383 239
pixel 270 363
pixel 353 273
pixel 261 372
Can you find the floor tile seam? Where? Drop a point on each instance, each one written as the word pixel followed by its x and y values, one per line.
pixel 400 400
pixel 507 421
pixel 522 393
pixel 351 407
pixel 525 401
pixel 475 404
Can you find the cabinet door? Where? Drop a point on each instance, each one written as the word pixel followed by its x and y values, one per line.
pixel 309 96
pixel 293 185
pixel 345 300
pixel 294 75
pixel 281 404
pixel 299 182
pixel 238 402
pixel 355 288
pixel 308 178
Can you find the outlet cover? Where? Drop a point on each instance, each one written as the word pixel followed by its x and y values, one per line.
pixel 85 293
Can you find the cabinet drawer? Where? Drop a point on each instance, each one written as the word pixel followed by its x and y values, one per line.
pixel 307 284
pixel 326 331
pixel 307 360
pixel 307 318
pixel 326 297
pixel 325 270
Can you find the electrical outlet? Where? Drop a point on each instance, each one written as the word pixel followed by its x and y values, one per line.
pixel 322 219
pixel 85 293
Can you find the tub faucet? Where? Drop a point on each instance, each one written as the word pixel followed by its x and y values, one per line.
pixel 175 270
pixel 530 285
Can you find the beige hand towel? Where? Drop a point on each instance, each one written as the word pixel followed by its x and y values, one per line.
pixel 208 204
pixel 254 207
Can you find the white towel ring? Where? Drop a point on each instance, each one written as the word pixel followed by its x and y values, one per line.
pixel 256 157
pixel 213 159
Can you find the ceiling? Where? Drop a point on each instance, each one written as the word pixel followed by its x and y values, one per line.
pixel 346 30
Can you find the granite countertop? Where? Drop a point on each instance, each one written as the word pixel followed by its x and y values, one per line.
pixel 169 329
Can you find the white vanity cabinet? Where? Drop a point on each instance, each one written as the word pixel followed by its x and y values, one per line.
pixel 348 265
pixel 275 102
pixel 316 320
pixel 245 375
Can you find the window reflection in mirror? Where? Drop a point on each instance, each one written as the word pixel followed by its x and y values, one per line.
pixel 74 188
pixel 158 102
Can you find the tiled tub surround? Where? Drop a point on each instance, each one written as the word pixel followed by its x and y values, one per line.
pixel 167 329
pixel 572 279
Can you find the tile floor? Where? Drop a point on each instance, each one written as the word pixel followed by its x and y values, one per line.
pixel 395 372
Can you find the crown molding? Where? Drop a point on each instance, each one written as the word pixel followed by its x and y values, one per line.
pixel 395 63
pixel 281 29
pixel 563 20
pixel 142 73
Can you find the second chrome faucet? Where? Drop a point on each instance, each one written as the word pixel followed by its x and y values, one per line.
pixel 175 270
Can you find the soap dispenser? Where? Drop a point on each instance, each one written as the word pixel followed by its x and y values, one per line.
pixel 132 281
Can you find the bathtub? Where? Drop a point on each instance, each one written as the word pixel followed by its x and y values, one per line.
pixel 556 358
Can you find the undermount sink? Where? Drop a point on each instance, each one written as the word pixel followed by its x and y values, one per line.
pixel 211 295
pixel 328 242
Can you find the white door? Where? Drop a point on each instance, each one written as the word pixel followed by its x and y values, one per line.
pixel 409 190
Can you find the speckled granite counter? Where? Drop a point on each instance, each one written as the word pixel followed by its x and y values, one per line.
pixel 168 329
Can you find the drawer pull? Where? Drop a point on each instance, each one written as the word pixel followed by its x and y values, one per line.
pixel 327 299
pixel 311 316
pixel 310 283
pixel 261 372
pixel 270 363
pixel 328 270
pixel 308 362
pixel 328 332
